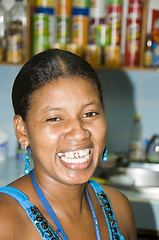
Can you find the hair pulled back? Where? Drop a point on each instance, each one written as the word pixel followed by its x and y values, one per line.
pixel 45 67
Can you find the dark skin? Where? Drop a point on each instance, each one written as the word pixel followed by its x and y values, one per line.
pixel 63 118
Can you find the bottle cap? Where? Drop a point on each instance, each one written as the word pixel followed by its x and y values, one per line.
pixel 137 117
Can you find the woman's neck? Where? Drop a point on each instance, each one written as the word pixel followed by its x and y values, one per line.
pixel 70 197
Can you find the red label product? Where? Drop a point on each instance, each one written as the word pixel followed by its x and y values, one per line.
pixel 133 35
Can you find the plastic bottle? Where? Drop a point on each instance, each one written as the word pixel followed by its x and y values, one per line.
pixel 136 148
pixel 2 31
pixel 16 33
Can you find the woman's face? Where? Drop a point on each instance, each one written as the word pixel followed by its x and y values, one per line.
pixel 66 130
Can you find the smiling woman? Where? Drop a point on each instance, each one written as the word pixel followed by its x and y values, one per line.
pixel 59 115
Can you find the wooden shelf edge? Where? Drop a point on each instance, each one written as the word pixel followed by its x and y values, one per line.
pixel 125 68
pixel 99 67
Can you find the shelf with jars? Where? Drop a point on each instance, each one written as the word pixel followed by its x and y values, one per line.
pixel 110 34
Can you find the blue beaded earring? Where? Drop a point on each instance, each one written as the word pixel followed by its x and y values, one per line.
pixel 105 157
pixel 27 162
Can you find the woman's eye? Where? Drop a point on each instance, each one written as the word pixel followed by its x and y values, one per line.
pixel 90 114
pixel 53 119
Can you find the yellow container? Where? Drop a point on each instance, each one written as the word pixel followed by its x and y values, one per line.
pixel 79 30
pixel 63 7
pixel 74 48
pixel 93 54
pixel 112 55
pixel 44 3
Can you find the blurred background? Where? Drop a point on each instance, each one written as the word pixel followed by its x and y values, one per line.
pixel 121 41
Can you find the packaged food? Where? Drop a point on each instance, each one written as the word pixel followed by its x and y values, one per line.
pixel 64 7
pixel 16 33
pixel 63 29
pixel 133 35
pixel 112 55
pixel 80 3
pixel 114 20
pixel 45 3
pixel 103 35
pixel 80 26
pixel 40 32
pixel 75 48
pixel 93 54
pixel 96 18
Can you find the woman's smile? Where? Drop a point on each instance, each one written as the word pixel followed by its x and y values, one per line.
pixel 76 160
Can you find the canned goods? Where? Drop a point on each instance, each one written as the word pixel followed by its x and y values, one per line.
pixel 135 11
pixel 59 46
pixel 114 19
pixel 14 48
pixel 79 29
pixel 79 26
pixel 44 3
pixel 64 7
pixel 1 49
pixel 80 3
pixel 112 56
pixel 75 48
pixel 133 35
pixel 92 27
pixel 93 54
pixel 63 29
pixel 135 2
pixel 98 4
pixel 103 35
pixel 40 30
pixel 114 2
pixel 50 12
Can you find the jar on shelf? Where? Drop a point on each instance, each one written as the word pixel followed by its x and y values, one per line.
pixel 16 33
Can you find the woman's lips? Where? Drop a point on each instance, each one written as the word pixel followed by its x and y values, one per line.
pixel 76 157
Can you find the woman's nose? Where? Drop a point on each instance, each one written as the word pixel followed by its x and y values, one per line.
pixel 76 131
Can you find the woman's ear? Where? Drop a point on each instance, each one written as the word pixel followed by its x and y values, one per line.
pixel 20 130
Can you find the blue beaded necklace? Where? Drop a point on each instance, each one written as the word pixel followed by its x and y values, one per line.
pixel 53 215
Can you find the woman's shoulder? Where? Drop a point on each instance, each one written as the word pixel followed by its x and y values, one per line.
pixel 12 214
pixel 122 210
pixel 9 219
pixel 114 194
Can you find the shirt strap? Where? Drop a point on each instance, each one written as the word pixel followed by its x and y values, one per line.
pixel 107 210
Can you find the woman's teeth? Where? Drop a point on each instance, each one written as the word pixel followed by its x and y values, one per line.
pixel 80 156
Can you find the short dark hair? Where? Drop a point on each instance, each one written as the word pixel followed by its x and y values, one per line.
pixel 45 67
